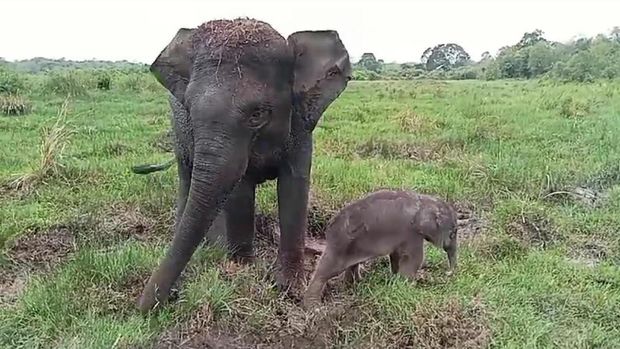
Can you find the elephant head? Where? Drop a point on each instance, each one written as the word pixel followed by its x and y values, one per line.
pixel 239 80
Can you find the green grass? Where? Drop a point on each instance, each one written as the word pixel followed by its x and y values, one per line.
pixel 543 273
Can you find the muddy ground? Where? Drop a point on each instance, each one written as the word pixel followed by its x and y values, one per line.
pixel 41 251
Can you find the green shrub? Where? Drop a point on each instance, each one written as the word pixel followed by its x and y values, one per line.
pixel 361 75
pixel 103 81
pixel 574 108
pixel 10 82
pixel 464 73
pixel 12 105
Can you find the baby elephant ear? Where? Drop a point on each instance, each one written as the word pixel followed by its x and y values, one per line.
pixel 173 66
pixel 322 71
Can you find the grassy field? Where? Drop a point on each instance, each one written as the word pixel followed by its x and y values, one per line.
pixel 534 168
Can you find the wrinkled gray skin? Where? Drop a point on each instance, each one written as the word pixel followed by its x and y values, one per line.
pixel 386 222
pixel 238 124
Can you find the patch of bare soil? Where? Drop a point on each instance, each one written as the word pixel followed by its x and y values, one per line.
pixel 588 197
pixel 387 149
pixel 200 332
pixel 34 251
pixel 470 223
pixel 590 252
pixel 448 325
pixel 11 287
pixel 42 249
pixel 129 222
pixel 285 326
pixel 591 193
pixel 534 230
pixel 120 223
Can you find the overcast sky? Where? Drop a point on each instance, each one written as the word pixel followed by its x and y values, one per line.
pixel 137 30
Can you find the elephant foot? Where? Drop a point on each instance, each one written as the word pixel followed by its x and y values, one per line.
pixel 154 296
pixel 290 274
pixel 150 299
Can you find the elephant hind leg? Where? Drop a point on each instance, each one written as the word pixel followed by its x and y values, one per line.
pixel 216 235
pixel 352 275
pixel 185 179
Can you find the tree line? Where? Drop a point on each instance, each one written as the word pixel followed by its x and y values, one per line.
pixel 533 56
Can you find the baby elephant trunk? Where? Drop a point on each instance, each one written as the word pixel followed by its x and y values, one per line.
pixel 450 249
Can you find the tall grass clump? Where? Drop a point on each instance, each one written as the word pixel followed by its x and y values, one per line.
pixel 67 83
pixel 138 82
pixel 54 139
pixel 14 105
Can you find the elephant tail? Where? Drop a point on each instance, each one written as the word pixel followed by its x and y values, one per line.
pixel 149 168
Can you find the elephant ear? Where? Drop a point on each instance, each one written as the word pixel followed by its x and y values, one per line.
pixel 322 71
pixel 173 66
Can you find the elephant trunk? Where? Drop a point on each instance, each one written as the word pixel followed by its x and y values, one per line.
pixel 221 151
pixel 451 251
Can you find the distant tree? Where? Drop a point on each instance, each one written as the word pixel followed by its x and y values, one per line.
pixel 615 34
pixel 486 56
pixel 582 44
pixel 541 58
pixel 531 38
pixel 445 57
pixel 369 62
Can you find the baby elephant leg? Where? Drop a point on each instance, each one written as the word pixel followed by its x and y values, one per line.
pixel 330 265
pixel 394 257
pixel 411 258
pixel 352 275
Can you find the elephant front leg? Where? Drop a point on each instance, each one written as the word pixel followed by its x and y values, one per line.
pixel 240 221
pixel 292 211
pixel 293 187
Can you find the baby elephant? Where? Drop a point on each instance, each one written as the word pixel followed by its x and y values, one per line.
pixel 386 222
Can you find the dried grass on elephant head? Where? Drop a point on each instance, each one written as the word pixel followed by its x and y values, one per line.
pixel 232 37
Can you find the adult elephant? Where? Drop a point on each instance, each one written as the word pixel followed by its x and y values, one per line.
pixel 245 102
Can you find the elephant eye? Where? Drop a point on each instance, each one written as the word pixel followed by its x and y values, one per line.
pixel 258 116
pixel 333 72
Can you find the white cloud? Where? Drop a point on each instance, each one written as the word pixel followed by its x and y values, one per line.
pixel 394 30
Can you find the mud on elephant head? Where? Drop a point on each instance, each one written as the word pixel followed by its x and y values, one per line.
pixel 244 104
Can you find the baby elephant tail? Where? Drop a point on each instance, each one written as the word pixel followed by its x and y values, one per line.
pixel 149 168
